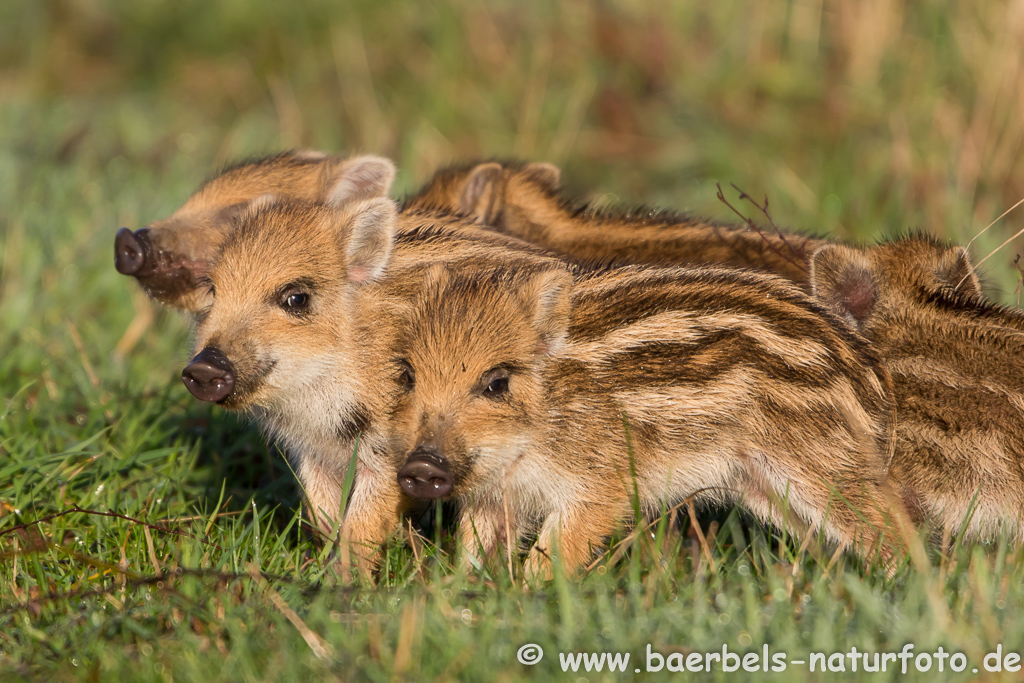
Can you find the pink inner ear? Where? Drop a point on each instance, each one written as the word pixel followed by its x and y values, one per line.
pixel 358 274
pixel 860 295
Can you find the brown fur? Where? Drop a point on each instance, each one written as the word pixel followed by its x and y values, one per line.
pixel 653 383
pixel 957 364
pixel 523 201
pixel 316 378
pixel 180 248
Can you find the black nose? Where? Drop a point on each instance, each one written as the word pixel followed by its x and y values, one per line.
pixel 130 250
pixel 210 376
pixel 425 475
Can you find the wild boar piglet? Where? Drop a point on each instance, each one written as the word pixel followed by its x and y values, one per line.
pixel 169 257
pixel 957 364
pixel 558 401
pixel 283 338
pixel 524 201
pixel 297 332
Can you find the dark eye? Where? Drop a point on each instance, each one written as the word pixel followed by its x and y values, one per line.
pixel 206 283
pixel 407 378
pixel 295 301
pixel 497 384
pixel 497 387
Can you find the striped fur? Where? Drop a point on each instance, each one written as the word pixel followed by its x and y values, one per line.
pixel 722 385
pixel 522 200
pixel 957 363
pixel 317 379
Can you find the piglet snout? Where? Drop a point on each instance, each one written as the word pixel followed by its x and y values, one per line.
pixel 130 251
pixel 425 475
pixel 210 376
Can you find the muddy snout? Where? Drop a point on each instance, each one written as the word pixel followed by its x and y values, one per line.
pixel 210 376
pixel 425 475
pixel 131 251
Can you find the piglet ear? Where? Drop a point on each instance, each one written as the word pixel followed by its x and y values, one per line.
pixel 551 290
pixel 954 268
pixel 361 177
pixel 481 197
pixel 843 279
pixel 547 175
pixel 369 240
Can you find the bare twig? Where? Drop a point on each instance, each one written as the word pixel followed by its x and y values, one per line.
pixel 162 583
pixel 800 263
pixel 1001 216
pixel 700 535
pixel 647 527
pixel 993 252
pixel 321 649
pixel 1020 277
pixel 980 232
pixel 110 513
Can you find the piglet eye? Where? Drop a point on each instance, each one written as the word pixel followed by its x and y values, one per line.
pixel 497 387
pixel 207 284
pixel 407 378
pixel 295 300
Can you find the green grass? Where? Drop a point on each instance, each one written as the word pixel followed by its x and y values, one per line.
pixel 857 119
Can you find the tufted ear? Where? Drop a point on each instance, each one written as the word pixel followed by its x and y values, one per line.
pixel 481 197
pixel 361 177
pixel 954 268
pixel 844 280
pixel 368 242
pixel 544 174
pixel 551 290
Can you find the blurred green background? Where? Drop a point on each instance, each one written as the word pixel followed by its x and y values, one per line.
pixel 858 118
